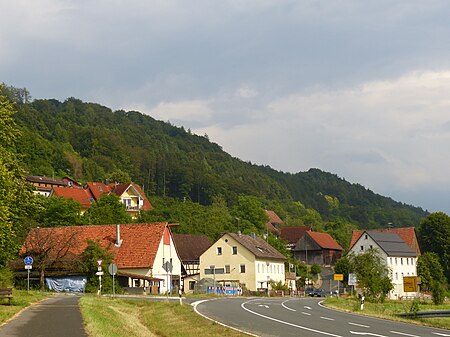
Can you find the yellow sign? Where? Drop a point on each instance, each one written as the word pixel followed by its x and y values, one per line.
pixel 410 284
pixel 339 277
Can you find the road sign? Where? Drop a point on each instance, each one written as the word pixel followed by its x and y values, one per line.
pixel 99 273
pixel 99 262
pixel 112 269
pixel 99 268
pixel 28 260
pixel 28 266
pixel 168 267
pixel 339 277
pixel 410 284
pixel 352 281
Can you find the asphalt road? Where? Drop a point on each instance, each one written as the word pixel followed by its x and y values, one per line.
pixel 304 317
pixel 58 316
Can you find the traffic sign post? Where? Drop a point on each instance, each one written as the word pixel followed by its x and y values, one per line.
pixel 28 266
pixel 99 273
pixel 112 269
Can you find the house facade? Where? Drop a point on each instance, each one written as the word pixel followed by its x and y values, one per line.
pixel 400 258
pixel 145 254
pixel 242 261
pixel 292 234
pixel 43 185
pixel 317 248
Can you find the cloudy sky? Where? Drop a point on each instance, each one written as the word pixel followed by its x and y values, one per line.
pixel 357 88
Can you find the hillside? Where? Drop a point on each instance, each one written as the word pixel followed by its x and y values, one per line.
pixel 90 142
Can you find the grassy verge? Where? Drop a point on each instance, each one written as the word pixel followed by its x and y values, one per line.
pixel 120 317
pixel 389 309
pixel 21 299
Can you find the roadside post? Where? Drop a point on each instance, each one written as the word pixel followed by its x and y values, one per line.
pixel 179 294
pixel 99 273
pixel 112 269
pixel 338 277
pixel 28 266
pixel 362 302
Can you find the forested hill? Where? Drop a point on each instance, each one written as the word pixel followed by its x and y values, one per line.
pixel 90 142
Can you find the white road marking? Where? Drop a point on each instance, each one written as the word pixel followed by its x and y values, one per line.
pixel 284 306
pixel 327 318
pixel 306 313
pixel 287 323
pixel 403 334
pixel 264 305
pixel 366 333
pixel 309 308
pixel 441 334
pixel 361 325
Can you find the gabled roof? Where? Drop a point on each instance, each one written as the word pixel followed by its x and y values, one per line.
pixel 408 234
pixel 391 243
pixel 294 233
pixel 83 196
pixel 274 219
pixel 189 247
pixel 324 240
pixel 140 242
pixel 258 247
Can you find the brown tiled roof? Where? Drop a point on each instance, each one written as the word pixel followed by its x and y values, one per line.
pixel 408 234
pixel 274 218
pixel 294 233
pixel 258 247
pixel 45 180
pixel 83 196
pixel 140 242
pixel 324 240
pixel 190 247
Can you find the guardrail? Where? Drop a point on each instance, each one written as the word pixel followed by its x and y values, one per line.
pixel 426 314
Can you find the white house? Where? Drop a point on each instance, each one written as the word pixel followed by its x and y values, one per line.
pixel 242 260
pixel 396 254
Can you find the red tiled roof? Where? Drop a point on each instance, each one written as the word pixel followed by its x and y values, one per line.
pixel 45 180
pixel 274 218
pixel 294 233
pixel 190 247
pixel 81 195
pixel 324 240
pixel 408 234
pixel 139 246
pixel 98 189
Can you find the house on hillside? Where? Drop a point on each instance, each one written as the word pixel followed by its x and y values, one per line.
pixel 408 235
pixel 399 257
pixel 292 234
pixel 242 261
pixel 130 194
pixel 274 223
pixel 144 253
pixel 317 248
pixel 189 248
pixel 43 185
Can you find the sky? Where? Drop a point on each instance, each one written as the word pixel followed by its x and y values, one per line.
pixel 357 88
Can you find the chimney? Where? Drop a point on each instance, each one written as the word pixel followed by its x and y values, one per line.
pixel 253 235
pixel 239 233
pixel 118 239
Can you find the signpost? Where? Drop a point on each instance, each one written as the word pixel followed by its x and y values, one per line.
pixel 338 277
pixel 28 266
pixel 99 273
pixel 112 269
pixel 410 284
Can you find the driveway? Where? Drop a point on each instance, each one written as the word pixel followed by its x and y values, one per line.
pixel 54 317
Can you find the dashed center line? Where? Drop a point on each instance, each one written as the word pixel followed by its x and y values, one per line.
pixel 309 308
pixel 361 325
pixel 306 313
pixel 441 334
pixel 327 318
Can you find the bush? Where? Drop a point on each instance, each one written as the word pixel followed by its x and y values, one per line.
pixel 6 277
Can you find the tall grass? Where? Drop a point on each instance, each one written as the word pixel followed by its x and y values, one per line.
pixel 21 299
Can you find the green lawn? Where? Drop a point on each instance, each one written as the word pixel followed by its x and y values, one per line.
pixel 120 317
pixel 389 309
pixel 21 299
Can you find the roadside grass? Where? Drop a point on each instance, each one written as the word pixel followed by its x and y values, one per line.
pixel 107 317
pixel 389 310
pixel 21 299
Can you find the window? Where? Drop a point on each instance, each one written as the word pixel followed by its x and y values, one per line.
pixel 396 276
pixel 219 250
pixel 191 285
pixel 401 260
pixel 365 237
pixel 395 261
pixel 362 248
pixel 390 260
pixel 259 267
pixel 234 250
pixel 242 268
pixel 407 261
pixel 227 269
pixel 371 247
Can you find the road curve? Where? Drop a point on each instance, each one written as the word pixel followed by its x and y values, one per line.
pixel 270 317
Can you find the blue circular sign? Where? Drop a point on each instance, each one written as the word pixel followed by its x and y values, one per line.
pixel 28 260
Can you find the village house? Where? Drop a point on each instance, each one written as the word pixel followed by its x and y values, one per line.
pixel 245 261
pixel 189 248
pixel 145 254
pixel 317 248
pixel 43 185
pixel 274 223
pixel 292 234
pixel 399 257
